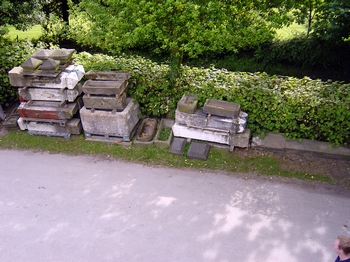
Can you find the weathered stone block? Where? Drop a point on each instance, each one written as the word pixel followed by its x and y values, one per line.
pixel 16 78
pixel 69 78
pixel 48 109
pixel 111 123
pixel 198 151
pixel 164 123
pixel 239 140
pixel 201 120
pixel 107 75
pixel 147 129
pixel 188 104
pixel 105 102
pixel 221 108
pixel 177 146
pixel 50 94
pixel 31 64
pixel 42 127
pixel 97 87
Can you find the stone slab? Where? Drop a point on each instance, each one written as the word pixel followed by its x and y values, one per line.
pixel 50 94
pixel 105 102
pixel 48 109
pixel 216 123
pixel 107 75
pixel 221 108
pixel 100 87
pixel 72 126
pixel 68 78
pixel 177 146
pixel 111 123
pixel 187 104
pixel 211 136
pixel 198 151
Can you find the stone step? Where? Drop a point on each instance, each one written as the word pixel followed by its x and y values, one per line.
pixel 50 94
pixel 112 123
pixel 48 109
pixel 99 87
pixel 236 140
pixel 107 75
pixel 72 126
pixel 105 102
pixel 221 108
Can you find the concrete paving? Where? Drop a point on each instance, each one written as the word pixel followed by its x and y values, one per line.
pixel 55 207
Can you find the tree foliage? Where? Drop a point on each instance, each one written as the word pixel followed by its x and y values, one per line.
pixel 176 26
pixel 21 14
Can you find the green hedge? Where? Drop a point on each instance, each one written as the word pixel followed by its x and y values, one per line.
pixel 300 108
pixel 12 53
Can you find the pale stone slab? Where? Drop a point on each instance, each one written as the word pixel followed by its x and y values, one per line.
pixel 216 123
pixel 239 140
pixel 69 78
pixel 221 108
pixel 50 94
pixel 111 123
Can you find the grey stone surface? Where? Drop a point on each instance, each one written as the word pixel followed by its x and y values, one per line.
pixel 105 102
pixel 188 104
pixel 278 142
pixel 100 87
pixel 164 122
pixel 177 146
pixel 101 122
pixel 241 139
pixel 198 150
pixel 221 108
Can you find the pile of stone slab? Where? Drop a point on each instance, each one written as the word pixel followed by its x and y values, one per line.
pixel 217 121
pixel 50 93
pixel 108 114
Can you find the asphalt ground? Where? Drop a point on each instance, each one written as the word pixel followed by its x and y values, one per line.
pixel 56 207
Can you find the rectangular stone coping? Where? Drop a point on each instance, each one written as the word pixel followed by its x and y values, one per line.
pixel 277 141
pixel 221 108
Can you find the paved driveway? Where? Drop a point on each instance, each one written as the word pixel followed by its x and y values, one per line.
pixel 55 207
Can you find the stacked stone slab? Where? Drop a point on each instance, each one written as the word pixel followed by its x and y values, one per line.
pixel 50 93
pixel 108 114
pixel 217 121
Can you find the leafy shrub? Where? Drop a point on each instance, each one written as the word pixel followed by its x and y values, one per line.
pixel 300 108
pixel 12 53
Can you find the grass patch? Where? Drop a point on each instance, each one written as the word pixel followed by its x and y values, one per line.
pixel 164 133
pixel 34 32
pixel 218 159
pixel 291 31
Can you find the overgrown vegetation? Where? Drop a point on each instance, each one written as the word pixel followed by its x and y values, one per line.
pixel 300 108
